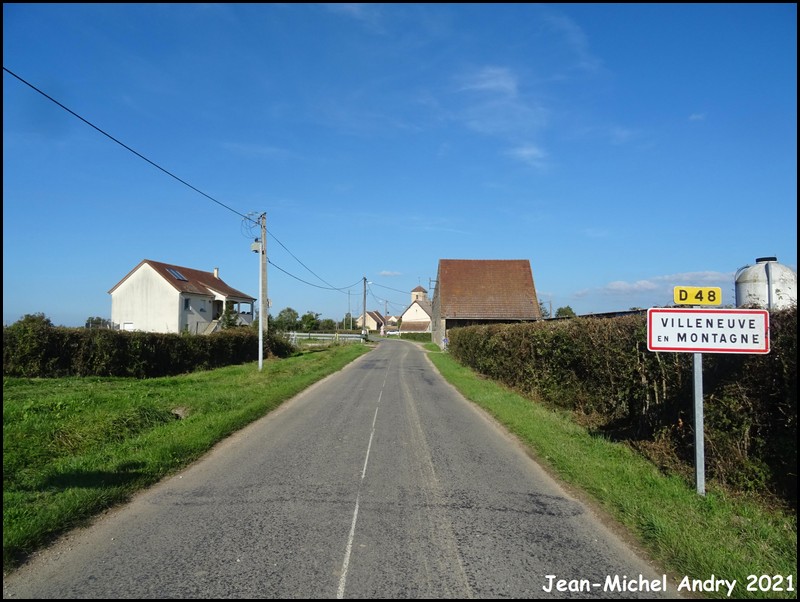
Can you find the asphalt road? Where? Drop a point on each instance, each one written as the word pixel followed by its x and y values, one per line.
pixel 379 482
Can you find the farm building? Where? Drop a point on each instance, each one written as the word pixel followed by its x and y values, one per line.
pixel 482 291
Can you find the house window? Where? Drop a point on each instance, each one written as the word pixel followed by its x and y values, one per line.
pixel 186 304
pixel 202 305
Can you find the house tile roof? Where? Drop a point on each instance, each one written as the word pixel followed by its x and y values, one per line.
pixel 196 282
pixel 378 317
pixel 494 289
pixel 420 326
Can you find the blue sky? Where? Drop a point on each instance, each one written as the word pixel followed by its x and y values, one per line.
pixel 622 149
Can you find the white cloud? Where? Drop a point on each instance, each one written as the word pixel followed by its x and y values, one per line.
pixel 389 273
pixel 697 117
pixel 697 278
pixel 494 106
pixel 621 135
pixel 575 40
pixel 365 13
pixel 668 282
pixel 620 286
pixel 530 155
pixel 491 79
pixel 654 291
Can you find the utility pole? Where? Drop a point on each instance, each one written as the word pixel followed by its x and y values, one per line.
pixel 263 303
pixel 364 330
pixel 264 295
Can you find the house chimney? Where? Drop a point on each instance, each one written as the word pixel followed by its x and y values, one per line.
pixel 216 272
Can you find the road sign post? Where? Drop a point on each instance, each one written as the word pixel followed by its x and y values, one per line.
pixel 699 429
pixel 698 331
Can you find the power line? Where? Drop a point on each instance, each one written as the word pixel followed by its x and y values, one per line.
pixel 379 300
pixel 327 288
pixel 389 288
pixel 304 265
pixel 185 183
pixel 141 156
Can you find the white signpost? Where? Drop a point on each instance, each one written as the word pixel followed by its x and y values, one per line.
pixel 698 331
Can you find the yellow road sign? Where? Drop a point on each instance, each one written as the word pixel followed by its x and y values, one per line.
pixel 697 295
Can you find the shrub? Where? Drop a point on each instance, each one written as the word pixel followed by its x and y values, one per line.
pixel 602 370
pixel 34 348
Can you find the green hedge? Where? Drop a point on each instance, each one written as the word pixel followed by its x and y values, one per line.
pixel 34 348
pixel 602 370
pixel 420 337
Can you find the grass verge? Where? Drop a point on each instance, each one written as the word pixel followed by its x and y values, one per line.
pixel 73 447
pixel 693 536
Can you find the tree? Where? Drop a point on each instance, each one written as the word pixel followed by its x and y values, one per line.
pixel 565 312
pixel 544 309
pixel 309 321
pixel 327 324
pixel 229 319
pixel 33 321
pixel 287 320
pixel 97 322
pixel 347 321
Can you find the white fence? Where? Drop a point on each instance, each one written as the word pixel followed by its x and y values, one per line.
pixel 320 336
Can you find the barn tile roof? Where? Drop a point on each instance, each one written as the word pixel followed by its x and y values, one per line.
pixel 491 289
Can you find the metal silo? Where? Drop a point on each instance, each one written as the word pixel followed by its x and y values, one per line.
pixel 767 284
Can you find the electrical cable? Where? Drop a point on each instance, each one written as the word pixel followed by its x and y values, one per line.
pixel 389 288
pixel 185 183
pixel 156 165
pixel 305 281
pixel 305 266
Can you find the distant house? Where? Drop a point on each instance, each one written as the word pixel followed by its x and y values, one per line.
pixel 417 316
pixel 374 320
pixel 160 297
pixel 482 291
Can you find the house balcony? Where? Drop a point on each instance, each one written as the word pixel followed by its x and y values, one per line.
pixel 244 318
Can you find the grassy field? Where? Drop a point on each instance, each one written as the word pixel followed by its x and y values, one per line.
pixel 692 536
pixel 73 447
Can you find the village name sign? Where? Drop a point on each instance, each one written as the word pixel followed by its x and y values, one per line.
pixel 708 330
pixel 698 331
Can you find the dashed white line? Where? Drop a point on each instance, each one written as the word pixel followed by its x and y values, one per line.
pixel 349 547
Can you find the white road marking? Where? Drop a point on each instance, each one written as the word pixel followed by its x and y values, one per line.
pixel 349 547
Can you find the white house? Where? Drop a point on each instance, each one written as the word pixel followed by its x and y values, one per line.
pixel 374 320
pixel 417 316
pixel 159 297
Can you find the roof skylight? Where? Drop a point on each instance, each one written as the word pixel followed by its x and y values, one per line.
pixel 177 274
